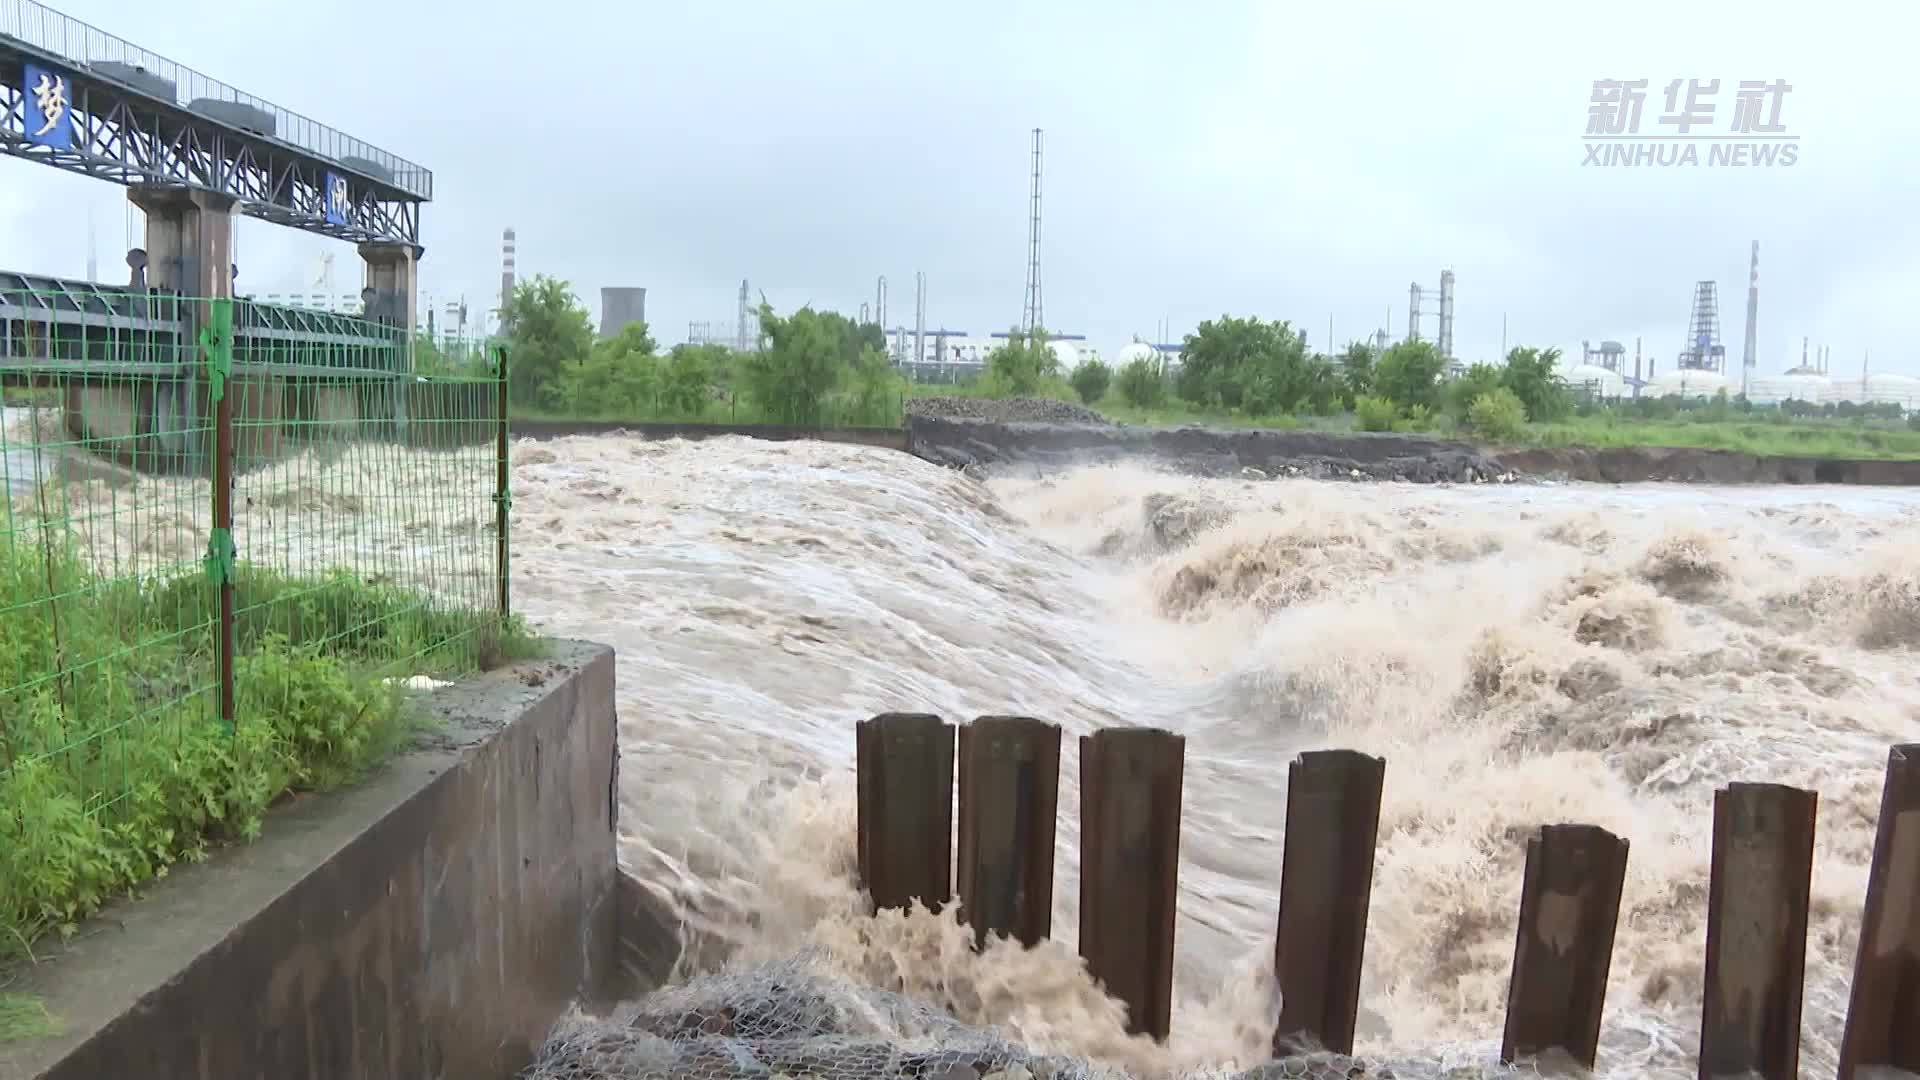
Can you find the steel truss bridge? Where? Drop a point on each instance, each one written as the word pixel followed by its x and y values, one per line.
pixel 141 119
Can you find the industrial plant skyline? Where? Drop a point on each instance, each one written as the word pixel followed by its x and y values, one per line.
pixel 1224 183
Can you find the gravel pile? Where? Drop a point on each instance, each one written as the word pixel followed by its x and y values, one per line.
pixel 1026 410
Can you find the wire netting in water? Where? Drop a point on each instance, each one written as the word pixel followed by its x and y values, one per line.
pixel 364 508
pixel 791 1020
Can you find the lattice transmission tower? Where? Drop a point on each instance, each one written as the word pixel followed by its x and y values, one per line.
pixel 1031 315
pixel 1704 351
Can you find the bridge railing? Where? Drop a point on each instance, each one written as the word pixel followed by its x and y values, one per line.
pixel 88 47
pixel 1757 904
pixel 203 542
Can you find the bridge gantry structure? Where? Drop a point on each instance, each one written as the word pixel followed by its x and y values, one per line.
pixel 192 152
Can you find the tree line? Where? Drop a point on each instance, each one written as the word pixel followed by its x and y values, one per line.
pixel 1254 367
pixel 820 368
pixel 811 368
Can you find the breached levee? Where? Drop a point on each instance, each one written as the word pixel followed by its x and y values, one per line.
pixel 993 446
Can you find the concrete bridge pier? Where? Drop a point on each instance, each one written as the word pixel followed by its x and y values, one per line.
pixel 392 297
pixel 188 253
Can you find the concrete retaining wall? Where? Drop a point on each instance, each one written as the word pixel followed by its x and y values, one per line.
pixel 432 922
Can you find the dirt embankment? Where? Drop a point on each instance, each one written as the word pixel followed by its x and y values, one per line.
pixel 992 434
pixel 1639 464
pixel 986 444
pixel 963 432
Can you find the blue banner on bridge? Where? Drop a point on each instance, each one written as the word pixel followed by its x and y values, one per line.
pixel 338 207
pixel 49 107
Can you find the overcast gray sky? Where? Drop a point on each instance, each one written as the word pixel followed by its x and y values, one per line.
pixel 1290 161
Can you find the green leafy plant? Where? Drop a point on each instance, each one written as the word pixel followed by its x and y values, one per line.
pixel 1091 380
pixel 114 765
pixel 1499 415
pixel 1375 414
pixel 1143 384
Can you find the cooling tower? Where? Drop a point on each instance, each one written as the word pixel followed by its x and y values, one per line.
pixel 621 306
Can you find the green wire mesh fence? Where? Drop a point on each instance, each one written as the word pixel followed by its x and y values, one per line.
pixel 216 514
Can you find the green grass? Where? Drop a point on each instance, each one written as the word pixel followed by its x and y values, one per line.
pixel 114 764
pixel 841 411
pixel 1765 433
pixel 1760 433
pixel 23 1016
pixel 1778 437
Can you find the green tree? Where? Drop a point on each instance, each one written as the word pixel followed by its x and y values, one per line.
pixel 1025 361
pixel 1224 358
pixel 686 386
pixel 1143 383
pixel 1091 380
pixel 853 338
pixel 1409 374
pixel 1261 368
pixel 1356 372
pixel 548 332
pixel 1529 374
pixel 878 390
pixel 1498 415
pixel 792 377
pixel 621 377
pixel 1374 414
pixel 1476 380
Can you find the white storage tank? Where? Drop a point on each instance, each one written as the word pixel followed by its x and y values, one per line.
pixel 1891 389
pixel 1592 378
pixel 1138 350
pixel 1064 354
pixel 1800 384
pixel 1688 383
pixel 1807 386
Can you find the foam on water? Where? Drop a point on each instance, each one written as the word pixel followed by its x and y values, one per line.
pixel 1520 655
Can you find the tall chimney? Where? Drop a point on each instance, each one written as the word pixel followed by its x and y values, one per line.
pixel 1751 356
pixel 506 268
pixel 919 316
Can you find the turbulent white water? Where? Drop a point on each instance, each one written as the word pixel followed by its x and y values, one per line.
pixel 1519 655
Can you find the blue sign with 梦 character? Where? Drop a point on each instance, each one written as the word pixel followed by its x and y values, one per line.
pixel 336 205
pixel 49 108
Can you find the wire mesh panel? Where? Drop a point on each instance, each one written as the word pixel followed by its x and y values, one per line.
pixel 364 515
pixel 230 538
pixel 105 618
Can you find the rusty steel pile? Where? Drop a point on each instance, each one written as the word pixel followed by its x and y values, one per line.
pixel 788 1020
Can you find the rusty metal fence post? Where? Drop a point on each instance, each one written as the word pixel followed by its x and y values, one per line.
pixel 1757 931
pixel 502 491
pixel 1881 1028
pixel 1569 909
pixel 1130 781
pixel 1326 883
pixel 905 809
pixel 1009 806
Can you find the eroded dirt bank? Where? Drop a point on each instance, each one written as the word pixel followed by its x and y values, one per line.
pixel 983 444
pixel 979 444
